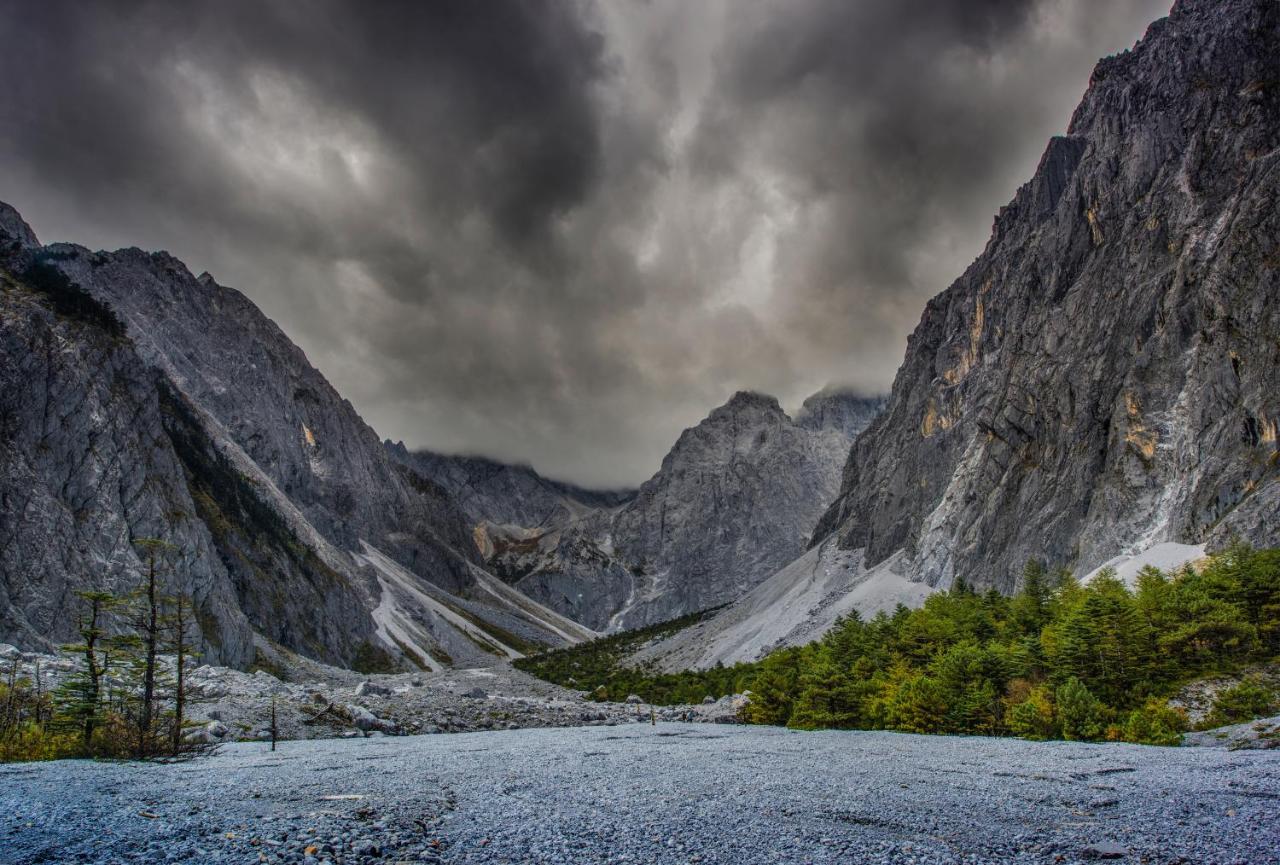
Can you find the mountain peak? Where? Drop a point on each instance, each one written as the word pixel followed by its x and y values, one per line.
pixel 840 409
pixel 14 228
pixel 751 399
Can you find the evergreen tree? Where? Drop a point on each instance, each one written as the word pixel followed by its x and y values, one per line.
pixel 79 701
pixel 1079 712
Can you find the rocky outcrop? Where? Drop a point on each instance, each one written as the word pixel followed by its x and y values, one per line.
pixel 1102 378
pixel 141 401
pixel 1098 387
pixel 87 466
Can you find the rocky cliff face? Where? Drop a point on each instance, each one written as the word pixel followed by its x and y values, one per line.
pixel 734 500
pixel 1102 377
pixel 1098 386
pixel 148 403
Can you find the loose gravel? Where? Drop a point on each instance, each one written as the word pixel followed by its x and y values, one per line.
pixel 670 793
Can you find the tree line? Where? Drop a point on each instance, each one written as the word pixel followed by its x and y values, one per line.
pixel 1057 660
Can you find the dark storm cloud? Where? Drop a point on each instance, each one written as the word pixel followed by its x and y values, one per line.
pixel 552 231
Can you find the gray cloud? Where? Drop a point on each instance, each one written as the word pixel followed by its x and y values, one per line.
pixel 552 232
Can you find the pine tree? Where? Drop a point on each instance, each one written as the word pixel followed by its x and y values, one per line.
pixel 146 680
pixel 1079 712
pixel 79 700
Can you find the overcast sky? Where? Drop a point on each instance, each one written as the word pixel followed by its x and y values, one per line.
pixel 552 232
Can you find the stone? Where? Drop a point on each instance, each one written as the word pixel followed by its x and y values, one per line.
pixel 369 689
pixel 363 718
pixel 634 699
pixel 476 694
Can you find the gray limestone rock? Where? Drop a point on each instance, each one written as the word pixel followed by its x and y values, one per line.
pixel 734 500
pixel 1102 377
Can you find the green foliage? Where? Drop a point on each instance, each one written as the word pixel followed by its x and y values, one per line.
pixel 1250 699
pixel 602 668
pixel 373 659
pixel 1154 723
pixel 1057 660
pixel 122 701
pixel 1079 712
pixel 1033 717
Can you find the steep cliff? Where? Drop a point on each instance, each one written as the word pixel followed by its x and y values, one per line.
pixel 1102 378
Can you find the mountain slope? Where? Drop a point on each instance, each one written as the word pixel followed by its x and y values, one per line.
pixel 1101 380
pixel 288 488
pixel 505 494
pixel 734 500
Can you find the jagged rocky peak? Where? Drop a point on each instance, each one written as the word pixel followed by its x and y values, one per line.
pixel 1101 378
pixel 503 493
pixel 14 229
pixel 734 499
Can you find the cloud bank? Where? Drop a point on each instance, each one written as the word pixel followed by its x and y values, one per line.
pixel 552 232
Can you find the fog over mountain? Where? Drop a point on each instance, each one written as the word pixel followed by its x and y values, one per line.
pixel 552 233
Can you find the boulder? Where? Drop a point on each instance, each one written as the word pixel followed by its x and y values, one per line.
pixel 369 689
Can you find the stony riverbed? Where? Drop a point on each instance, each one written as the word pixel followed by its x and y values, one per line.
pixel 670 793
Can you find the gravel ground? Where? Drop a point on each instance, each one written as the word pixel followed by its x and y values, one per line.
pixel 670 793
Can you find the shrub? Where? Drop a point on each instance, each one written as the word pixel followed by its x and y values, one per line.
pixel 919 706
pixel 1248 700
pixel 1154 723
pixel 1033 718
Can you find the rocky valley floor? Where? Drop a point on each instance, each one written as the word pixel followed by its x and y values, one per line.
pixel 672 792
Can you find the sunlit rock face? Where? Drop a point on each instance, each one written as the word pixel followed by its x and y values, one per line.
pixel 1102 377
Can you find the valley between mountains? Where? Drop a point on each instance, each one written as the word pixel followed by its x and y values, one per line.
pixel 1061 522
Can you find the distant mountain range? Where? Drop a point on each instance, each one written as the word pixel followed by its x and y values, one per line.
pixel 735 499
